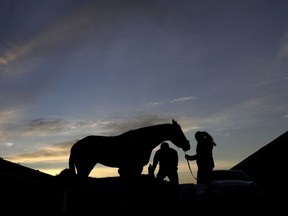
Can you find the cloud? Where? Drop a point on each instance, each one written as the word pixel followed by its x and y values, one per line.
pixel 269 82
pixel 12 54
pixel 51 154
pixel 10 59
pixel 27 53
pixel 182 99
pixel 51 128
pixel 7 116
pixel 176 100
pixel 56 155
pixel 138 121
pixel 262 83
pixel 239 115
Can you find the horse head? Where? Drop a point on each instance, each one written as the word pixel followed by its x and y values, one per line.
pixel 178 137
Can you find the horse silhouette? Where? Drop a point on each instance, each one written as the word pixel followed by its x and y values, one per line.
pixel 128 152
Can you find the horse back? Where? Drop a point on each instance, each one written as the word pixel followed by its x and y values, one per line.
pixel 93 142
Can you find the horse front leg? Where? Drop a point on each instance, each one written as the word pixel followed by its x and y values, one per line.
pixel 84 168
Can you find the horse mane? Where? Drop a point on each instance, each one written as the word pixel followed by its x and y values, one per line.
pixel 152 129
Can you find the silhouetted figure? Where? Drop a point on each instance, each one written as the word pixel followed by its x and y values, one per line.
pixel 118 151
pixel 167 158
pixel 203 156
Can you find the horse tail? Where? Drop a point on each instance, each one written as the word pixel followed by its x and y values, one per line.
pixel 72 162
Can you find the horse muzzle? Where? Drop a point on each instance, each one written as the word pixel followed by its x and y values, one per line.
pixel 186 147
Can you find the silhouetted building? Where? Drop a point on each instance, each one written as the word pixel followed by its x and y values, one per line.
pixel 267 167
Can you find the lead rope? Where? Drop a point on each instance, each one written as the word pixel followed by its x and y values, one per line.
pixel 190 169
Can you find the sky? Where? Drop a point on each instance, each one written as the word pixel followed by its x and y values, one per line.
pixel 73 68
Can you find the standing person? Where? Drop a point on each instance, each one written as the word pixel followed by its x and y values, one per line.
pixel 204 156
pixel 167 158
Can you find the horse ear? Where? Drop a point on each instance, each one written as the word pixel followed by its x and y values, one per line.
pixel 174 122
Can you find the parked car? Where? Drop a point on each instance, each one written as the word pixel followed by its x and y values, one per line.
pixel 234 186
pixel 230 189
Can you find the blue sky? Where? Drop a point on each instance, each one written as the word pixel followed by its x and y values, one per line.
pixel 72 68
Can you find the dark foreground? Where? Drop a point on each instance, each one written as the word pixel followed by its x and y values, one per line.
pixel 143 195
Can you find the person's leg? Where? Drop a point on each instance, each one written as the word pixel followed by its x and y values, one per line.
pixel 204 175
pixel 200 176
pixel 173 177
pixel 161 175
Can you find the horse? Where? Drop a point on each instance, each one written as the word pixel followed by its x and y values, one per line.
pixel 129 151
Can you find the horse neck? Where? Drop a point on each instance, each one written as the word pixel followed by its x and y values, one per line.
pixel 160 133
pixel 150 136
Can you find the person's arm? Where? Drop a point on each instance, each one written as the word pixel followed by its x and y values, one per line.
pixel 155 160
pixel 152 167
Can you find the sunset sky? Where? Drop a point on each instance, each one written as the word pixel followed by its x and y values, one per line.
pixel 72 68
